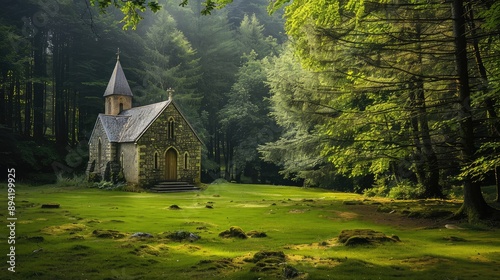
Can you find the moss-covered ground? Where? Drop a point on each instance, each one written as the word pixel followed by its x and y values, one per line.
pixel 90 236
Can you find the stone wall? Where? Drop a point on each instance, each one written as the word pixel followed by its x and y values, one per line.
pixel 157 140
pixel 112 104
pixel 129 161
pixel 108 151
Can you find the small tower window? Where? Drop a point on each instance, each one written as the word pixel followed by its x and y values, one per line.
pixel 121 107
pixel 156 160
pixel 186 160
pixel 171 128
pixel 121 160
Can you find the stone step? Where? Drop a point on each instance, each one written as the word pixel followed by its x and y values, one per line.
pixel 164 187
pixel 167 183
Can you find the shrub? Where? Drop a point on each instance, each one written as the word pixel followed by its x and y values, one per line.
pixel 77 181
pixel 380 188
pixel 454 192
pixel 107 185
pixel 219 181
pixel 405 190
pixel 389 187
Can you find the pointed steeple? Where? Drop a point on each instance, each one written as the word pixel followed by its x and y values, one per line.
pixel 118 94
pixel 118 84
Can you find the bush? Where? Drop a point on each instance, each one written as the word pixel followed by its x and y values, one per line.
pixel 77 181
pixel 380 188
pixel 455 192
pixel 219 181
pixel 405 190
pixel 382 191
pixel 107 185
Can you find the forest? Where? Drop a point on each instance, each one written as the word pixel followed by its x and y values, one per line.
pixel 391 98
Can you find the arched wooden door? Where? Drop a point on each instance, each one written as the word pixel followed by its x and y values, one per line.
pixel 171 165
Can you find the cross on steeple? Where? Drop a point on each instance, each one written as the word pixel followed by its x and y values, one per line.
pixel 118 54
pixel 170 92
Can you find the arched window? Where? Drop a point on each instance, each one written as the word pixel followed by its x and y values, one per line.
pixel 186 160
pixel 99 154
pixel 156 160
pixel 121 107
pixel 171 128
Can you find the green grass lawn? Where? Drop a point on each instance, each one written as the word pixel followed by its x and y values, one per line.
pixel 302 223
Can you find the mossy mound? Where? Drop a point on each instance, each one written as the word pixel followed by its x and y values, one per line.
pixel 353 237
pixel 145 249
pixel 215 265
pixel 35 239
pixel 256 234
pixel 233 232
pixel 107 233
pixel 51 205
pixel 270 256
pixel 273 262
pixel 174 207
pixel 182 235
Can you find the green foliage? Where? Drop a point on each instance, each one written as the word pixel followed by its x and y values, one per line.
pixel 488 160
pixel 36 157
pixel 169 62
pixel 109 185
pixel 72 181
pixel 387 186
pixel 405 190
pixel 131 9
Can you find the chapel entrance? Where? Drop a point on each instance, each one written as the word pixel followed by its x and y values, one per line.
pixel 171 165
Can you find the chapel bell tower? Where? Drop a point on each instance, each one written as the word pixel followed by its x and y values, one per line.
pixel 118 94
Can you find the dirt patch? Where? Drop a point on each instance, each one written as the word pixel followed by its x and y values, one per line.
pixel 323 245
pixel 341 215
pixel 315 261
pixel 369 212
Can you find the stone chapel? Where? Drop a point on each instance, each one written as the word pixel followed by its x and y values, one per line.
pixel 143 145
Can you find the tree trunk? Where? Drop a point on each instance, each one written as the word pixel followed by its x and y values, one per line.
pixel 61 131
pixel 18 115
pixel 429 165
pixel 28 100
pixel 474 205
pixel 431 184
pixel 488 102
pixel 417 155
pixel 39 73
pixel 3 107
pixel 10 102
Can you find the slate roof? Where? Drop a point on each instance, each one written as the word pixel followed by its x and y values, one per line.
pixel 130 124
pixel 118 83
